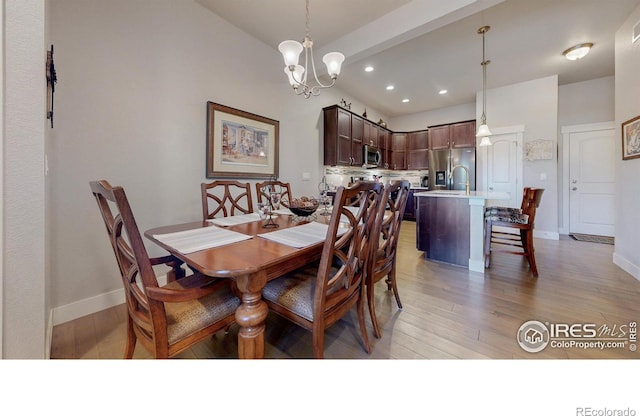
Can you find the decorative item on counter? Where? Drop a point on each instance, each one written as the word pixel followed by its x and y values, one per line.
pixel 325 199
pixel 382 123
pixel 365 113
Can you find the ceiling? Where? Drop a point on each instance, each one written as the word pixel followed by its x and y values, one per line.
pixel 424 46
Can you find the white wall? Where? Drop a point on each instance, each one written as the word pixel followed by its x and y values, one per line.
pixel 23 192
pixel 422 120
pixel 627 91
pixel 130 108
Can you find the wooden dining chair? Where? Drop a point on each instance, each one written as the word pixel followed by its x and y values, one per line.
pixel 318 295
pixel 384 248
pixel 225 198
pixel 165 319
pixel 283 189
pixel 521 220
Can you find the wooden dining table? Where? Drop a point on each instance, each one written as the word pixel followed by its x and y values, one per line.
pixel 250 264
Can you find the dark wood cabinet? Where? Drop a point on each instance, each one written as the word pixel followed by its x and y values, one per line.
pixel 371 132
pixel 340 146
pixel 442 229
pixel 410 209
pixel 398 151
pixel 384 144
pixel 418 150
pixel 456 135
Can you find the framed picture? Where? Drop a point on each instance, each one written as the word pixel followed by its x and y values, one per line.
pixel 631 138
pixel 240 144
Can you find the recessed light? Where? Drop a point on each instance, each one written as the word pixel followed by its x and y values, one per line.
pixel 405 100
pixel 368 68
pixel 578 51
pixel 442 92
pixel 390 87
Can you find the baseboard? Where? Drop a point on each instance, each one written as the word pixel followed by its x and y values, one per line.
pixel 547 235
pixel 94 304
pixel 626 265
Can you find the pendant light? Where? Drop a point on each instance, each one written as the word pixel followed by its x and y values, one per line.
pixel 483 130
pixel 297 74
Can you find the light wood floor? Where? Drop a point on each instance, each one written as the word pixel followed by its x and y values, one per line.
pixel 448 312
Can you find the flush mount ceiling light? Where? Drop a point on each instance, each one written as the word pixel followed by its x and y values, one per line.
pixel 390 87
pixel 578 51
pixel 297 74
pixel 368 69
pixel 483 130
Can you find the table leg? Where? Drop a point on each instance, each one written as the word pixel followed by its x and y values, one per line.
pixel 251 315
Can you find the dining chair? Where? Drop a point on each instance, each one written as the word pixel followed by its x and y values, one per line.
pixel 165 319
pixel 318 295
pixel 227 198
pixel 521 220
pixel 283 189
pixel 384 248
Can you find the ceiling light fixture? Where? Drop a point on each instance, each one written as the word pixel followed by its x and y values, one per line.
pixel 390 87
pixel 442 92
pixel 483 130
pixel 405 100
pixel 578 51
pixel 297 74
pixel 368 69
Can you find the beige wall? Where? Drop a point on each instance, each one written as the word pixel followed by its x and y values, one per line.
pixel 627 93
pixel 23 191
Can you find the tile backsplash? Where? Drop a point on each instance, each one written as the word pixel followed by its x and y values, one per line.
pixel 342 176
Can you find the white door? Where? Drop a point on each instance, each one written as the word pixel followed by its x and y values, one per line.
pixel 503 168
pixel 592 182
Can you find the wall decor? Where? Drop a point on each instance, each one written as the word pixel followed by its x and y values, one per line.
pixel 52 78
pixel 631 138
pixel 538 150
pixel 240 144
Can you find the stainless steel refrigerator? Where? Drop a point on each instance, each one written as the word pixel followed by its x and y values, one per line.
pixel 441 162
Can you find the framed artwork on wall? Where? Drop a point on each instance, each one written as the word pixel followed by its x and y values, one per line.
pixel 631 138
pixel 240 144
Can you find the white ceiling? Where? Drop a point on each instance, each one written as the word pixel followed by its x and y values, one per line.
pixel 423 46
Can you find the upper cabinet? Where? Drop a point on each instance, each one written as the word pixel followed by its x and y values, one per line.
pixel 453 136
pixel 343 134
pixel 398 159
pixel 418 150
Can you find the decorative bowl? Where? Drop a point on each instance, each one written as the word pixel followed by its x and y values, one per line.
pixel 303 206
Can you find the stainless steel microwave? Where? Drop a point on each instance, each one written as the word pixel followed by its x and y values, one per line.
pixel 371 157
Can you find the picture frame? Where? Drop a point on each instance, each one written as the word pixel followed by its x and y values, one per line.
pixel 631 139
pixel 241 144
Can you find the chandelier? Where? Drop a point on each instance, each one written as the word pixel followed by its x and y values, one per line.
pixel 297 74
pixel 483 130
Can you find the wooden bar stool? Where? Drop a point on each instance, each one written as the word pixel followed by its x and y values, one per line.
pixel 521 220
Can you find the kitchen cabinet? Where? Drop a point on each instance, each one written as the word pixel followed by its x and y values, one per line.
pixel 340 145
pixel 418 150
pixel 384 143
pixel 453 136
pixel 399 151
pixel 371 132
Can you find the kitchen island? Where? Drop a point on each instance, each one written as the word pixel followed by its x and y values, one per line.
pixel 450 226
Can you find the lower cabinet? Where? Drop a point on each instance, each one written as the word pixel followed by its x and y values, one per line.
pixel 442 229
pixel 410 209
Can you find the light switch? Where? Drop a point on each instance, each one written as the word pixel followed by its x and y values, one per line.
pixel 306 176
pixel 543 176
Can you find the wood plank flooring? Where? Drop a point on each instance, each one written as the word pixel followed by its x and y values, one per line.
pixel 449 312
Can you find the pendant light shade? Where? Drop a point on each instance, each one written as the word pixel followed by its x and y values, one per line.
pixel 483 130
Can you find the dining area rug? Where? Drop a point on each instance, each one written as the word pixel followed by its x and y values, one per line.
pixel 593 238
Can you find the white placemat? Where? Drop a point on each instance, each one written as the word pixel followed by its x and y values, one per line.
pixel 283 211
pixel 301 235
pixel 235 219
pixel 200 238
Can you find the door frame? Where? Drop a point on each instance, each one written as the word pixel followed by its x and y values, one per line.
pixel 481 154
pixel 564 184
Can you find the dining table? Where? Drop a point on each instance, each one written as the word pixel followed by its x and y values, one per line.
pixel 251 260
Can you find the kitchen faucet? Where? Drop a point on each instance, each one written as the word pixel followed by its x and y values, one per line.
pixel 466 185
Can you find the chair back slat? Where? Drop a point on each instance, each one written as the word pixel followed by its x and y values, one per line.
pixel 225 198
pixel 344 257
pixel 264 189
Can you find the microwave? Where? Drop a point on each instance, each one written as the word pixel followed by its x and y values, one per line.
pixel 371 157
